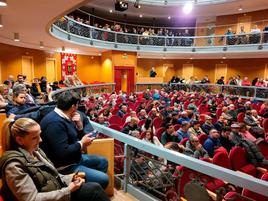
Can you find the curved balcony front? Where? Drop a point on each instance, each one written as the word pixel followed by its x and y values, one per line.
pixel 70 30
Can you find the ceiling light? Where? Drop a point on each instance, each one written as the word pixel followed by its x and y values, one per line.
pixel 169 17
pixel 140 15
pixel 1 23
pixel 41 44
pixel 137 4
pixel 3 3
pixel 99 54
pixel 110 10
pixel 187 8
pixel 240 8
pixel 63 48
pixel 224 57
pixel 16 37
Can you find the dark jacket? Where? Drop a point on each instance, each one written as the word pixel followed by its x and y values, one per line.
pixel 191 151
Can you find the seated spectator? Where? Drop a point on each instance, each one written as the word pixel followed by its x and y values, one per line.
pixel 195 128
pixel 184 117
pixel 254 155
pixel 255 127
pixel 132 114
pixel 169 135
pixel 220 123
pixel 156 95
pixel 192 106
pixel 226 139
pixel 245 133
pixel 101 120
pixel 122 111
pixel 19 103
pixel 142 114
pixel 265 34
pixel 194 148
pixel 24 180
pixel 132 128
pixel 260 83
pixel 212 143
pixel 205 80
pixel 226 115
pixel 220 81
pixel 207 126
pixel 154 113
pixel 148 125
pixel 255 115
pixel 246 82
pixel 183 131
pixel 232 112
pixel 55 86
pixel 35 88
pixel 151 138
pixel 66 148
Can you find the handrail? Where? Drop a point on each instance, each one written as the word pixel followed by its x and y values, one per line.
pixel 231 176
pixel 173 28
pixel 73 27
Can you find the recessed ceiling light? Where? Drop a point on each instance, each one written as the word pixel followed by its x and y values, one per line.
pixel 224 57
pixel 16 37
pixel 169 17
pixel 140 15
pixel 41 44
pixel 187 8
pixel 110 10
pixel 240 8
pixel 3 3
pixel 1 22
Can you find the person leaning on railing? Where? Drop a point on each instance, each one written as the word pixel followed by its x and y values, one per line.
pixel 29 175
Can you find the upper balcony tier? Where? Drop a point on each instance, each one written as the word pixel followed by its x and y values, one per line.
pixel 70 30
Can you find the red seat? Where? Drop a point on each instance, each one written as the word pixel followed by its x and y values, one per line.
pixel 177 127
pixel 125 117
pixel 114 119
pixel 202 138
pixel 263 147
pixel 159 132
pixel 218 113
pixel 238 159
pixel 240 117
pixel 183 141
pixel 141 122
pixel 115 127
pixel 221 159
pixel 157 122
pixel 203 109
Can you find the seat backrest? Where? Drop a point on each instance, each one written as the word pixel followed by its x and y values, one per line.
pixel 240 117
pixel 238 157
pixel 115 127
pixel 183 141
pixel 141 123
pixel 157 122
pixel 159 132
pixel 177 127
pixel 221 159
pixel 202 138
pixel 265 125
pixel 114 119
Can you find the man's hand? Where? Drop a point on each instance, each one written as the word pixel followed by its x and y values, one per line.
pixel 76 118
pixel 198 146
pixel 76 184
pixel 86 140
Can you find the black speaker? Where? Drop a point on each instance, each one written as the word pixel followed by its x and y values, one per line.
pixel 121 6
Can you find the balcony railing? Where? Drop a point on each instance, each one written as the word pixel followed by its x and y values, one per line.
pixel 93 35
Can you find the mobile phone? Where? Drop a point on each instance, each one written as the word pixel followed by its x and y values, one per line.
pixel 94 133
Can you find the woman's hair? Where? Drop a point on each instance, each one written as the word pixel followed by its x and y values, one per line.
pixel 151 135
pixel 148 123
pixel 11 129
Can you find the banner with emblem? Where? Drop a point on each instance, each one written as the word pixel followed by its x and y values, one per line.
pixel 68 64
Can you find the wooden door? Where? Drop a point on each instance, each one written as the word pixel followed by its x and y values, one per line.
pixel 220 70
pixel 51 70
pixel 187 71
pixel 27 68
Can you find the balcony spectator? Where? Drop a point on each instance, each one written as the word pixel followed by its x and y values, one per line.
pixel 260 83
pixel 153 72
pixel 230 37
pixel 246 82
pixel 238 80
pixel 205 80
pixel 221 81
pixel 242 37
pixel 255 35
pixel 265 34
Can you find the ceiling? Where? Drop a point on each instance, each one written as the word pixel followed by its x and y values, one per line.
pixel 150 11
pixel 32 19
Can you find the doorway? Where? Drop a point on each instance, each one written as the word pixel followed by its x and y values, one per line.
pixel 51 70
pixel 124 78
pixel 27 68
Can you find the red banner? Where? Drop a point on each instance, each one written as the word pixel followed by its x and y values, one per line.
pixel 68 64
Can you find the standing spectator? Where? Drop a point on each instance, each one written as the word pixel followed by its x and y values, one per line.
pixel 153 72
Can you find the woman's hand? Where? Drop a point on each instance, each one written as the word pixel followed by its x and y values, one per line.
pixel 76 184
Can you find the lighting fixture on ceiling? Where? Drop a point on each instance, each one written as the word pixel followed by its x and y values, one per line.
pixel 187 8
pixel 169 17
pixel 110 10
pixel 41 44
pixel 141 16
pixel 240 8
pixel 16 37
pixel 1 22
pixel 3 3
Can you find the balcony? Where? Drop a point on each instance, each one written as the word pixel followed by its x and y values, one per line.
pixel 70 30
